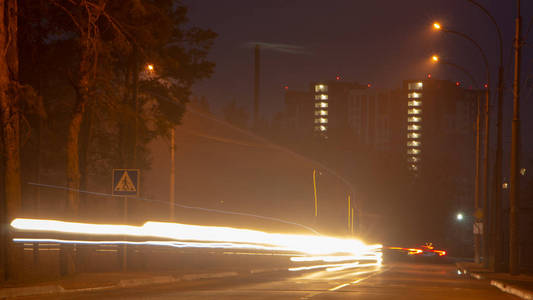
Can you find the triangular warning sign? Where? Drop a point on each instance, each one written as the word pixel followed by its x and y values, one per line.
pixel 125 184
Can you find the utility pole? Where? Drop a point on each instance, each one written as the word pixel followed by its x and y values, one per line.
pixel 486 133
pixel 257 66
pixel 349 215
pixel 353 213
pixel 171 193
pixel 496 207
pixel 125 246
pixel 477 183
pixel 514 197
pixel 314 189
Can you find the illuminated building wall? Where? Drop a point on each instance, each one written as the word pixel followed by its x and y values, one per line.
pixel 414 124
pixel 439 118
pixel 321 109
pixel 331 107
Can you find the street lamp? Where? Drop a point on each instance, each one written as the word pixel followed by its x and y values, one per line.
pixel 459 216
pixel 439 27
pixel 435 58
pixel 172 176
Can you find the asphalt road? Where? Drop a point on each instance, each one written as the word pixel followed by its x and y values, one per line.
pixel 395 281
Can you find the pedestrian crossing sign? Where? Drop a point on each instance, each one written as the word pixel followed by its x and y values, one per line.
pixel 126 182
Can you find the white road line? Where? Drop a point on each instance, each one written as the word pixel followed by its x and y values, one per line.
pixel 346 284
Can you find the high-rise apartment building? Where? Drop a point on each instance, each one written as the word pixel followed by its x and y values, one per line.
pixel 330 101
pixel 440 118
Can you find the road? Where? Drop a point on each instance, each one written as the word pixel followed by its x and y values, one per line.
pixel 395 281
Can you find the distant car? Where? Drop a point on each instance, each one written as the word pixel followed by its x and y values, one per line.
pixel 426 250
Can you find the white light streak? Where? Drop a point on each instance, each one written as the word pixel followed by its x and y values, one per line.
pixel 231 237
pixel 309 248
pixel 338 287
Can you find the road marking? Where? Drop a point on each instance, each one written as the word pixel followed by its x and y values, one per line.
pixel 338 287
pixel 346 284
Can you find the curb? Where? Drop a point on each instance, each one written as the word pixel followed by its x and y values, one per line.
pixel 30 291
pixel 506 288
pixel 207 276
pixel 145 281
pixel 513 290
pixel 124 283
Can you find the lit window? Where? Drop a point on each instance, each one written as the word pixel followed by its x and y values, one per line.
pixel 413 143
pixel 414 103
pixel 414 95
pixel 323 121
pixel 413 127
pixel 413 135
pixel 321 105
pixel 413 151
pixel 415 86
pixel 414 119
pixel 414 111
pixel 321 97
pixel 323 112
pixel 413 167
pixel 323 128
pixel 321 88
pixel 413 159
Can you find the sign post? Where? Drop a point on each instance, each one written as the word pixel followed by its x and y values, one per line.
pixel 125 183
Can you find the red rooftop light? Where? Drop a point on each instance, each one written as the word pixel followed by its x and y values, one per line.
pixel 486 85
pixel 429 75
pixel 457 83
pixel 369 85
pixel 338 77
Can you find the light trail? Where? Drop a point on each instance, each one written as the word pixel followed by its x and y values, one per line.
pixel 308 244
pixel 314 247
pixel 339 287
pixel 175 244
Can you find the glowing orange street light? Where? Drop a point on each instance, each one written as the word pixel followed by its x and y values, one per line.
pixel 150 67
pixel 435 58
pixel 436 26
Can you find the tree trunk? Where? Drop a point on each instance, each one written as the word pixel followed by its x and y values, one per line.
pixel 10 132
pixel 85 140
pixel 67 264
pixel 73 159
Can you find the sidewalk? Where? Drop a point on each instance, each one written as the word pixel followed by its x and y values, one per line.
pixel 87 282
pixel 520 286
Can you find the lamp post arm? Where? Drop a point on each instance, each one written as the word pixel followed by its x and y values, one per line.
pixel 468 74
pixel 491 17
pixel 485 60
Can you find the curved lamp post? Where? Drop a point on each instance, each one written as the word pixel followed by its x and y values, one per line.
pixel 439 27
pixel 436 59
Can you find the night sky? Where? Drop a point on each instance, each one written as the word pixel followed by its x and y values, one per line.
pixel 379 42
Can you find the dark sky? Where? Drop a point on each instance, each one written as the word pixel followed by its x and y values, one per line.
pixel 380 42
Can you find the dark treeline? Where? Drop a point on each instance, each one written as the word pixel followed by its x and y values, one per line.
pixel 85 85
